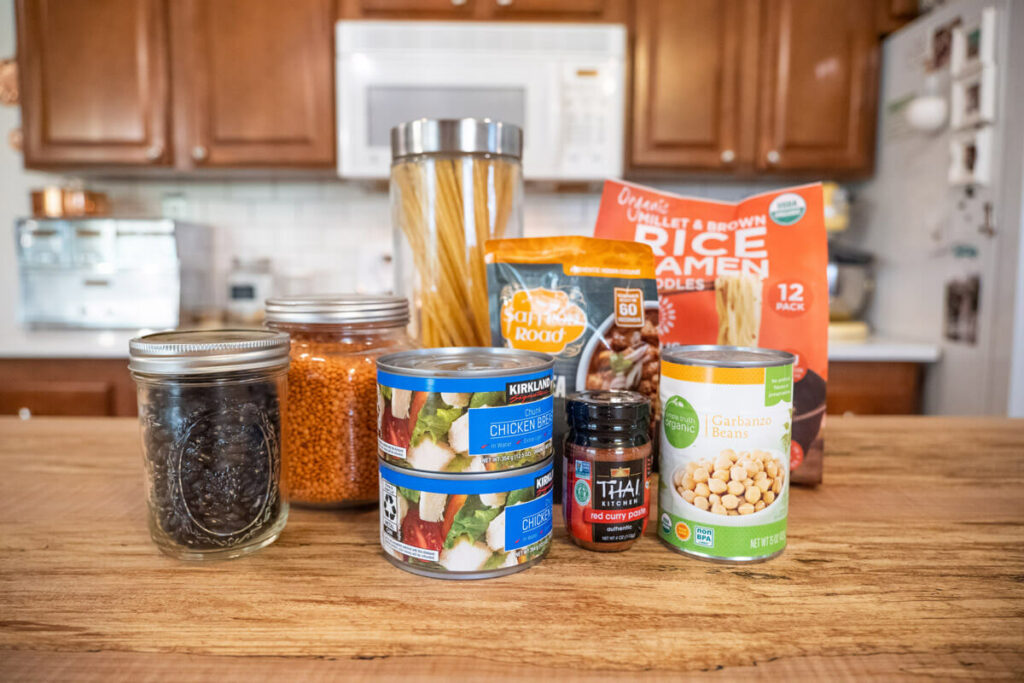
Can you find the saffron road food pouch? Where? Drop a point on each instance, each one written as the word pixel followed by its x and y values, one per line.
pixel 750 273
pixel 592 304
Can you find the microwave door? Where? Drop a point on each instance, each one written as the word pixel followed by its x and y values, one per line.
pixel 376 93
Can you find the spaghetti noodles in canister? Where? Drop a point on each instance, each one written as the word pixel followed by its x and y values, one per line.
pixel 454 185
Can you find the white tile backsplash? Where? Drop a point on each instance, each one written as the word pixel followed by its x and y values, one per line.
pixel 333 235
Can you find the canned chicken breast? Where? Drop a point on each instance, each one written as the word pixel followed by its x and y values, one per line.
pixel 455 526
pixel 725 437
pixel 464 410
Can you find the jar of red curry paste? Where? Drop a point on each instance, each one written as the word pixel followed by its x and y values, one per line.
pixel 607 466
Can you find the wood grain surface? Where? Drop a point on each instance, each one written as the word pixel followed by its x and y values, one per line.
pixel 907 562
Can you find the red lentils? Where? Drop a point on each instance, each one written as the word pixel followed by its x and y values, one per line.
pixel 330 428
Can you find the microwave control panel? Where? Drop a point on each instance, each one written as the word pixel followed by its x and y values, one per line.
pixel 591 135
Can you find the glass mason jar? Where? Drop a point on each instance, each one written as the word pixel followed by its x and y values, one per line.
pixel 455 183
pixel 330 444
pixel 210 407
pixel 606 466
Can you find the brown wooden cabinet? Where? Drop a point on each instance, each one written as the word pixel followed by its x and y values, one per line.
pixel 255 82
pixel 66 386
pixel 485 10
pixel 252 83
pixel 548 9
pixel 818 86
pixel 891 15
pixel 94 82
pixel 874 388
pixel 693 85
pixel 404 9
pixel 754 86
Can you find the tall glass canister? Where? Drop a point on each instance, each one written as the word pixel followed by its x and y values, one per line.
pixel 455 183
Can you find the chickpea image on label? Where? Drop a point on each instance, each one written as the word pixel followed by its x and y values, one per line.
pixel 732 483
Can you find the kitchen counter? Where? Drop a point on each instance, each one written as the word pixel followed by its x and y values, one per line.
pixel 883 350
pixel 17 342
pixel 906 562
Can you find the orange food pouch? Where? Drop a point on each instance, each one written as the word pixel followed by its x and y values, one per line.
pixel 592 304
pixel 750 273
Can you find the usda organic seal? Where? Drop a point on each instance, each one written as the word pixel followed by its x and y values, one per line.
pixel 787 209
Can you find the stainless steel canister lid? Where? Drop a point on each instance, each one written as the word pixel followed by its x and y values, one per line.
pixel 338 309
pixel 467 136
pixel 465 361
pixel 201 352
pixel 714 356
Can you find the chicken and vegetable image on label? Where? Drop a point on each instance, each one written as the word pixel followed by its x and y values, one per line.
pixel 465 527
pixel 465 425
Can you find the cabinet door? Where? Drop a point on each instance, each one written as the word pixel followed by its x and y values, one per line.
pixel 94 82
pixel 867 388
pixel 256 82
pixel 84 399
pixel 400 9
pixel 548 10
pixel 818 89
pixel 892 15
pixel 66 386
pixel 693 84
pixel 517 10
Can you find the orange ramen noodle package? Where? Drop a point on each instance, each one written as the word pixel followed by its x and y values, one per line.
pixel 590 303
pixel 751 273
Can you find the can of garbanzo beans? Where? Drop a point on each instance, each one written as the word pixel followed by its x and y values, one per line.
pixel 727 416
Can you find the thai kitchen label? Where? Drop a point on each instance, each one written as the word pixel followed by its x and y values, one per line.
pixel 724 486
pixel 465 425
pixel 605 501
pixel 465 524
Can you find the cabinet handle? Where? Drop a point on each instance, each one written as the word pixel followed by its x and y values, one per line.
pixel 198 152
pixel 24 413
pixel 458 3
pixel 773 157
pixel 154 152
pixel 728 156
pixel 504 3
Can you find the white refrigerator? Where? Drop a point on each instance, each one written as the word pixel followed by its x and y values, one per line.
pixel 943 212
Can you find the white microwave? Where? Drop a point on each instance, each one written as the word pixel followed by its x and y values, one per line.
pixel 563 84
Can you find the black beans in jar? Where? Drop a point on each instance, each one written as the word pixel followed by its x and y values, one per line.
pixel 213 453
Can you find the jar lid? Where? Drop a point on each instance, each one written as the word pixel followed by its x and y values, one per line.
pixel 608 411
pixel 200 352
pixel 338 309
pixel 468 136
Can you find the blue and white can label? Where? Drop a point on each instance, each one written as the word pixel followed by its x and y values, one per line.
pixel 465 425
pixel 468 527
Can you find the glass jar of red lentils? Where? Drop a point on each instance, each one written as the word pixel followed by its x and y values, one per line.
pixel 329 458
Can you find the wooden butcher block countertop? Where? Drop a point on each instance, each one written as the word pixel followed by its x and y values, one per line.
pixel 907 562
